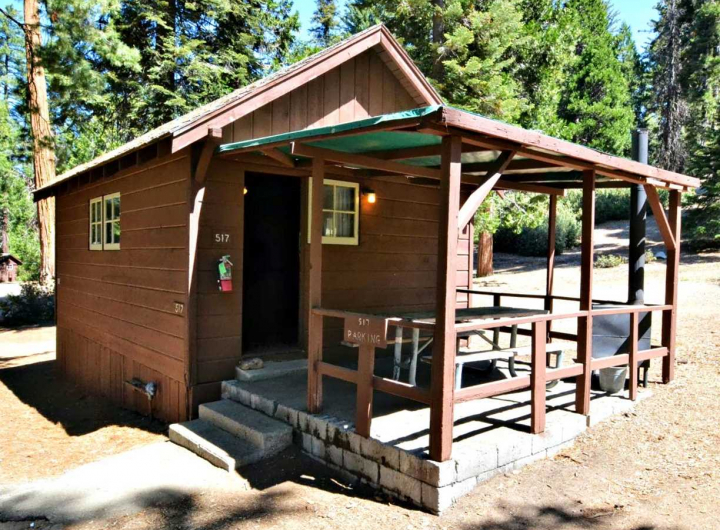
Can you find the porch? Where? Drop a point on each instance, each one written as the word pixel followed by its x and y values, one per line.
pixel 491 436
pixel 468 157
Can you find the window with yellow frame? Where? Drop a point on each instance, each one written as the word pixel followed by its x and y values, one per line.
pixel 341 212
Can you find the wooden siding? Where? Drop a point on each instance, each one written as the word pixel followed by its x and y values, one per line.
pixel 359 88
pixel 116 309
pixel 219 315
pixel 393 268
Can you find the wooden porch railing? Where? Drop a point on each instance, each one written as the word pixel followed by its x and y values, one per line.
pixel 366 381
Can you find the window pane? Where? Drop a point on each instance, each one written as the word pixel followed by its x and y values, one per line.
pixel 328 197
pixel 116 208
pixel 345 199
pixel 328 224
pixel 116 232
pixel 345 225
pixel 108 233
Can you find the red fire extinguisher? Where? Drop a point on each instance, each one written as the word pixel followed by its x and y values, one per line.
pixel 225 274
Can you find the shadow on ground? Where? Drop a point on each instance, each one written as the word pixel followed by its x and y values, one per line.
pixel 38 385
pixel 522 517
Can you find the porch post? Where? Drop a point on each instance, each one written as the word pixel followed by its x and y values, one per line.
pixel 552 223
pixel 315 322
pixel 443 359
pixel 669 321
pixel 584 350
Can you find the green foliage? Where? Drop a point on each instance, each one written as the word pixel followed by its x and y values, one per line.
pixel 325 22
pixel 34 305
pixel 610 204
pixel 523 226
pixel 608 261
pixel 596 105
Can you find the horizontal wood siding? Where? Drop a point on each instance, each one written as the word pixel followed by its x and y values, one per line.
pixel 219 314
pixel 393 269
pixel 361 87
pixel 117 316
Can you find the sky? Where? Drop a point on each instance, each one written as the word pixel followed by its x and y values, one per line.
pixel 637 13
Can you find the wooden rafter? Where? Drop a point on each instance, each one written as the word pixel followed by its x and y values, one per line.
pixel 279 156
pixel 532 188
pixel 363 161
pixel 660 217
pixel 214 138
pixel 473 202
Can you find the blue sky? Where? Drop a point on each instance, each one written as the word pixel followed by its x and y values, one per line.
pixel 637 13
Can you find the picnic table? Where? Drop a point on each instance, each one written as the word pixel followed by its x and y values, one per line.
pixel 461 315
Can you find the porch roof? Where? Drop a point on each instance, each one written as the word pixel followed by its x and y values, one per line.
pixel 409 143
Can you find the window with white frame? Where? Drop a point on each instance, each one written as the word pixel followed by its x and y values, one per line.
pixel 341 212
pixel 105 222
pixel 111 234
pixel 96 222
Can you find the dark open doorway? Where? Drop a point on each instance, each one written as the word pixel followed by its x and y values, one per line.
pixel 271 263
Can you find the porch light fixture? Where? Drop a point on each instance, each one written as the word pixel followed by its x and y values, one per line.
pixel 371 196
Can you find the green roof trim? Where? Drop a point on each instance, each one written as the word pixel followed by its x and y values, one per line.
pixel 418 140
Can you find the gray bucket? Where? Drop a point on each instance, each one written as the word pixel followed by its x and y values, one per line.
pixel 612 380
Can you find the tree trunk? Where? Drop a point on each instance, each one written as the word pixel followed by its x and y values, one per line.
pixel 43 148
pixel 485 255
pixel 438 37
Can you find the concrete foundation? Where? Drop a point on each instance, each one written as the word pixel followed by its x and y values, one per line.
pixel 491 436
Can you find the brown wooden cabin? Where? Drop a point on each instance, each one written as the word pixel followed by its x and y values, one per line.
pixel 140 231
pixel 9 266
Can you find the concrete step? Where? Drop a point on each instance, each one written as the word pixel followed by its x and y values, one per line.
pixel 265 433
pixel 272 370
pixel 215 445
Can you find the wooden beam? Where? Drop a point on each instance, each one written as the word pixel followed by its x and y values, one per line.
pixel 279 156
pixel 669 321
pixel 515 165
pixel 537 378
pixel 315 322
pixel 478 196
pixel 443 360
pixel 530 188
pixel 660 218
pixel 214 138
pixel 584 348
pixel 363 161
pixel 364 390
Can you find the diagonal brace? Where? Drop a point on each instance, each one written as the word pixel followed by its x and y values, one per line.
pixel 660 217
pixel 477 197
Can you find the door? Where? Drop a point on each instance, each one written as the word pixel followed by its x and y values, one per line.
pixel 271 263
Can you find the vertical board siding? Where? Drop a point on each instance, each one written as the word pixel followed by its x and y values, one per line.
pixel 117 316
pixel 360 87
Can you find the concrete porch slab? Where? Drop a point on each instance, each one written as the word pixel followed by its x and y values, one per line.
pixel 491 435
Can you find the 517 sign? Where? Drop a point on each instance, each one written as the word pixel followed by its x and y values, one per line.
pixel 222 238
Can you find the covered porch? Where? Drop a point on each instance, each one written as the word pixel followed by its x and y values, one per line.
pixel 468 157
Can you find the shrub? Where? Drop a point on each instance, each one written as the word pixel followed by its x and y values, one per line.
pixel 608 261
pixel 34 305
pixel 532 240
pixel 610 204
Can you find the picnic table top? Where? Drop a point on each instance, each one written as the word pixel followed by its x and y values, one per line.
pixel 475 313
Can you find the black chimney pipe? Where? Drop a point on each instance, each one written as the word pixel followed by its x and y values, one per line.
pixel 638 214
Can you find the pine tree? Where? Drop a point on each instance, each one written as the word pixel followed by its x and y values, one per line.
pixel 325 22
pixel 670 102
pixel 596 105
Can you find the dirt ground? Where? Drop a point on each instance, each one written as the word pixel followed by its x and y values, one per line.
pixel 655 468
pixel 49 426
